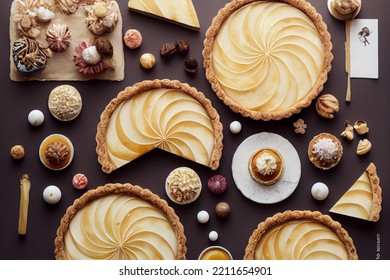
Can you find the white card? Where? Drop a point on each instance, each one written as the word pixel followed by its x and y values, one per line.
pixel 364 48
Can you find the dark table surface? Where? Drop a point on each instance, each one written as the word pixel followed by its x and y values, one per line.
pixel 370 101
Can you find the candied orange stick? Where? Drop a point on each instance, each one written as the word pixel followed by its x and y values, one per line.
pixel 25 185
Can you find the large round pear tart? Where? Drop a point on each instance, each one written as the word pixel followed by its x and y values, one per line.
pixel 300 235
pixel 267 59
pixel 120 222
pixel 163 114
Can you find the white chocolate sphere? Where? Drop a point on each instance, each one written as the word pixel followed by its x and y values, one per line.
pixel 235 127
pixel 319 191
pixel 36 117
pixel 52 194
pixel 203 217
pixel 213 235
pixel 91 55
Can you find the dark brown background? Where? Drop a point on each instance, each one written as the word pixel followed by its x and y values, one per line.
pixel 370 101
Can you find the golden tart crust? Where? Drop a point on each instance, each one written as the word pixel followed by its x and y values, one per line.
pixel 355 202
pixel 143 199
pixel 335 244
pixel 203 110
pixel 238 100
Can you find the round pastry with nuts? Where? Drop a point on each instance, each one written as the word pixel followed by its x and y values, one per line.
pixel 65 102
pixel 325 151
pixel 183 185
pixel 56 151
pixel 266 166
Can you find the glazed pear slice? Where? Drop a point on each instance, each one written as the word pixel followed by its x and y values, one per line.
pixel 363 199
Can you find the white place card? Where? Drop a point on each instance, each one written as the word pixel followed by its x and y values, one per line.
pixel 364 48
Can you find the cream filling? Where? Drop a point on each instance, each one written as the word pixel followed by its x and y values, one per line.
pixel 300 240
pixel 357 201
pixel 120 227
pixel 266 164
pixel 168 119
pixel 267 56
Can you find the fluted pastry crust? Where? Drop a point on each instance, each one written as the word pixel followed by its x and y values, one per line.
pixel 143 198
pixel 336 237
pixel 364 200
pixel 247 58
pixel 211 151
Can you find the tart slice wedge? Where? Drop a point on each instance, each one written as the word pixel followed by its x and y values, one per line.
pixel 163 114
pixel 179 12
pixel 363 199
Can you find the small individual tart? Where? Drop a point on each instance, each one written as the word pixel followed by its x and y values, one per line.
pixel 56 151
pixel 300 235
pixel 363 199
pixel 325 151
pixel 267 59
pixel 163 114
pixel 120 222
pixel 266 166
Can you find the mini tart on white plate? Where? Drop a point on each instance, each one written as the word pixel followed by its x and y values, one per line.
pixel 300 235
pixel 120 222
pixel 163 114
pixel 267 59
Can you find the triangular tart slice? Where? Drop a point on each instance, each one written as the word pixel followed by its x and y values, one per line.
pixel 363 199
pixel 180 12
pixel 164 114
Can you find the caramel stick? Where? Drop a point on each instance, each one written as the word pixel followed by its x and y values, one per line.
pixel 348 59
pixel 25 185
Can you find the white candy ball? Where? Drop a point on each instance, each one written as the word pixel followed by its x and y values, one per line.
pixel 203 217
pixel 213 235
pixel 319 191
pixel 52 194
pixel 235 127
pixel 36 117
pixel 91 55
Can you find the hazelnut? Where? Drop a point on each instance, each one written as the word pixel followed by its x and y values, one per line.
pixel 361 127
pixel 147 60
pixel 167 49
pixel 104 46
pixel 183 46
pixel 327 105
pixel 17 152
pixel 222 209
pixel 348 132
pixel 191 64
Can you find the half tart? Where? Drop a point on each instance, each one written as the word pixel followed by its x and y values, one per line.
pixel 267 59
pixel 363 199
pixel 161 114
pixel 300 235
pixel 120 221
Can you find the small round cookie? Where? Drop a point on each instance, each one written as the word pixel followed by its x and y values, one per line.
pixel 133 39
pixel 183 185
pixel 65 102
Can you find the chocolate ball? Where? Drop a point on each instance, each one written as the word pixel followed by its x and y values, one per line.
pixel 222 209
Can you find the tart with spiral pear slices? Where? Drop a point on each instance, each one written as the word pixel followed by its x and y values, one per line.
pixel 164 114
pixel 300 235
pixel 267 59
pixel 120 222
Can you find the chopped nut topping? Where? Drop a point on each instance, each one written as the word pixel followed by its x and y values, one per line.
pixel 183 185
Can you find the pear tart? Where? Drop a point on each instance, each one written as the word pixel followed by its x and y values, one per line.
pixel 161 114
pixel 120 221
pixel 300 235
pixel 267 59
pixel 363 199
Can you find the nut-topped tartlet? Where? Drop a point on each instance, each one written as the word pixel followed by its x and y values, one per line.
pixel 56 151
pixel 266 166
